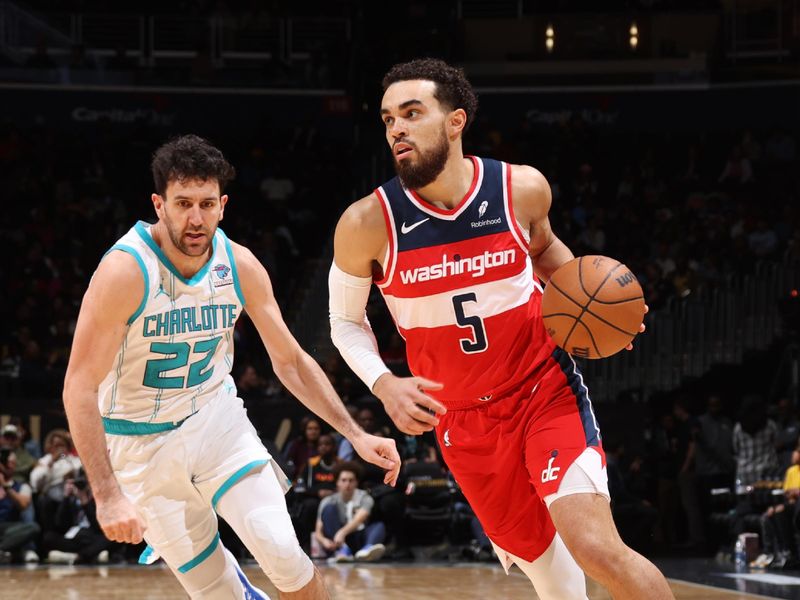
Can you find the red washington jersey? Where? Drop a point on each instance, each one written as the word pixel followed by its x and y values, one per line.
pixel 460 286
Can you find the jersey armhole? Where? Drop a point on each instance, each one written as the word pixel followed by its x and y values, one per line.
pixel 391 254
pixel 236 285
pixel 513 224
pixel 135 254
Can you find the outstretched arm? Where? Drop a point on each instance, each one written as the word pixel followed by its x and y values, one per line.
pixel 301 375
pixel 113 296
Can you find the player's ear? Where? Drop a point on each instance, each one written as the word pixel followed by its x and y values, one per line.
pixel 158 204
pixel 456 122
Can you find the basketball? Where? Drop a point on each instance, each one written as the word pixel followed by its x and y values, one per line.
pixel 593 306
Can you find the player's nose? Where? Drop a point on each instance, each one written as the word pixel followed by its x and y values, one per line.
pixel 195 216
pixel 398 129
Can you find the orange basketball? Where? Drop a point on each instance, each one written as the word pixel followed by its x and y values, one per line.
pixel 593 306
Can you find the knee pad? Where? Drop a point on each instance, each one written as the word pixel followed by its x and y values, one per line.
pixel 555 575
pixel 274 544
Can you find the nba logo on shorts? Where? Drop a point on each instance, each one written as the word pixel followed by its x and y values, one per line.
pixel 551 472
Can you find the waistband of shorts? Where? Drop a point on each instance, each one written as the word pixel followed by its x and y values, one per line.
pixel 124 427
pixel 524 388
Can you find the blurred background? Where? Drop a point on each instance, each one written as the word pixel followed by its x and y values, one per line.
pixel 668 131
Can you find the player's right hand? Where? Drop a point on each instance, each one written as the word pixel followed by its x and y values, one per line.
pixel 410 408
pixel 119 520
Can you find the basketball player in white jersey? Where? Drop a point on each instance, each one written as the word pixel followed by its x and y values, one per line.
pixel 152 406
pixel 457 246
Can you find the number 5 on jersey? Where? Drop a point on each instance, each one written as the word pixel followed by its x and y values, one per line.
pixel 478 343
pixel 178 357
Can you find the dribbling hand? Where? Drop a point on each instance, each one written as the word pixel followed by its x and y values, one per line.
pixel 410 408
pixel 641 328
pixel 119 520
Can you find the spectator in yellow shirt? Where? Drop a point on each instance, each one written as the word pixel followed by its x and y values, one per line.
pixel 777 523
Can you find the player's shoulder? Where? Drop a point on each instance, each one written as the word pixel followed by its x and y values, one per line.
pixel 119 270
pixel 526 179
pixel 365 213
pixel 530 193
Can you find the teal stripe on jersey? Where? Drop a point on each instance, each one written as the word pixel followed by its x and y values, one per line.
pixel 133 252
pixel 148 239
pixel 160 391
pixel 119 374
pixel 123 427
pixel 227 358
pixel 234 272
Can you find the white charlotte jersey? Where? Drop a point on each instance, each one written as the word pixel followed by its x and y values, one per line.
pixel 178 351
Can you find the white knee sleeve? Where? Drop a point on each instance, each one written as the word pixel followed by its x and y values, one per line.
pixel 256 510
pixel 555 574
pixel 218 577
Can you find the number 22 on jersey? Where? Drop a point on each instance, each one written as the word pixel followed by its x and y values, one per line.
pixel 177 357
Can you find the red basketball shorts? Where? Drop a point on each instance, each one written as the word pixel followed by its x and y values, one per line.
pixel 510 453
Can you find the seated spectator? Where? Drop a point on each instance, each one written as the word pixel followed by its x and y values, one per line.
pixel 635 517
pixel 342 520
pixel 48 476
pixel 15 497
pixel 304 446
pixel 754 439
pixel 33 446
pixel 315 481
pixel 77 537
pixel 12 439
pixel 777 529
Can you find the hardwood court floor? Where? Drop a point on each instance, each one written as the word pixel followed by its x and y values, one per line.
pixel 351 582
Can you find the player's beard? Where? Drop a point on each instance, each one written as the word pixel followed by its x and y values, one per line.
pixel 416 174
pixel 178 239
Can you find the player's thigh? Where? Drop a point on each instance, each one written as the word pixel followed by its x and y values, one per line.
pixel 226 448
pixel 487 463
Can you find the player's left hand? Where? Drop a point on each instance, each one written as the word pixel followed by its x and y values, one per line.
pixel 381 452
pixel 641 328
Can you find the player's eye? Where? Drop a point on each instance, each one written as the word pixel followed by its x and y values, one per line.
pixel 388 121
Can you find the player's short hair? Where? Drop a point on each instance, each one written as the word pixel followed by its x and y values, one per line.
pixel 189 157
pixel 453 90
pixel 350 467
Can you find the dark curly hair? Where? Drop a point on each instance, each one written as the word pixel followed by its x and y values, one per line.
pixel 188 157
pixel 350 467
pixel 453 90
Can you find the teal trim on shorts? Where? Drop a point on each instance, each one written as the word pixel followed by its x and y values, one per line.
pixel 200 557
pixel 123 427
pixel 144 557
pixel 148 239
pixel 235 478
pixel 135 254
pixel 234 272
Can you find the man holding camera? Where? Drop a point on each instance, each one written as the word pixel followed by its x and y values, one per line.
pixel 77 537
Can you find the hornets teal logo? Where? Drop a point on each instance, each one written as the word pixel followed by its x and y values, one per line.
pixel 221 270
pixel 222 273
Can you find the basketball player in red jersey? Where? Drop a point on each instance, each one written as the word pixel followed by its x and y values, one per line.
pixel 457 246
